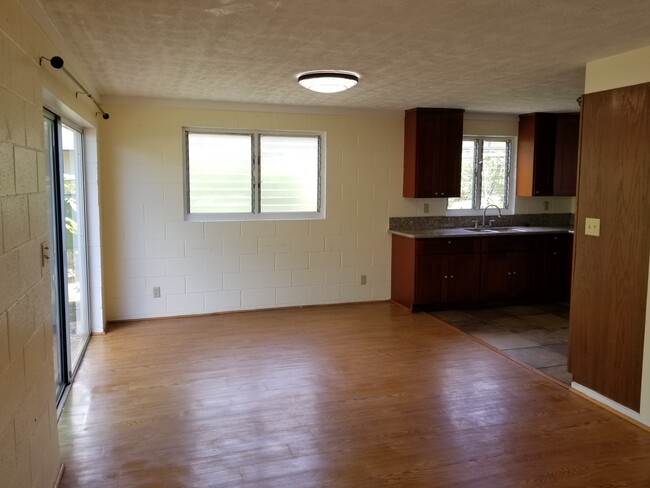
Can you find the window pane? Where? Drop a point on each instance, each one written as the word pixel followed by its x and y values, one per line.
pixel 219 173
pixel 74 244
pixel 493 189
pixel 289 173
pixel 466 178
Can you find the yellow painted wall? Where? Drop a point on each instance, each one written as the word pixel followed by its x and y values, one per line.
pixel 626 69
pixel 220 266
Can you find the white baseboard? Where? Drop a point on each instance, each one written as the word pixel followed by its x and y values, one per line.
pixel 627 412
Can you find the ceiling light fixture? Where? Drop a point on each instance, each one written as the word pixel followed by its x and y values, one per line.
pixel 328 81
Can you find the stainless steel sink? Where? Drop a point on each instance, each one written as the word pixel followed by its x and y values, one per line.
pixel 496 230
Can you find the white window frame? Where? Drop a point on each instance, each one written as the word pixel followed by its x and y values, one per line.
pixel 255 214
pixel 509 209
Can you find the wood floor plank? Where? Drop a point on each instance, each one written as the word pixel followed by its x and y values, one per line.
pixel 361 395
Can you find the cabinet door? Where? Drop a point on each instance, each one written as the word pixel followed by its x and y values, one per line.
pixel 448 160
pixel 535 154
pixel 433 140
pixel 555 264
pixel 463 277
pixel 429 280
pixel 508 276
pixel 565 170
pixel 494 276
pixel 521 276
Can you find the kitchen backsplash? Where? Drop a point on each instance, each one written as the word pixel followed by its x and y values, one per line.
pixel 535 220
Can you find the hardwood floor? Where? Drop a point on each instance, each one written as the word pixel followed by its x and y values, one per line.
pixel 361 395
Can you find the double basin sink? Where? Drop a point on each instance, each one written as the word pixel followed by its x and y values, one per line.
pixel 497 230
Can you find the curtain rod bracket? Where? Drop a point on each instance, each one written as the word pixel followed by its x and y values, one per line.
pixel 57 63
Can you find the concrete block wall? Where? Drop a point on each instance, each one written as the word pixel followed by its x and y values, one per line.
pixel 204 267
pixel 29 451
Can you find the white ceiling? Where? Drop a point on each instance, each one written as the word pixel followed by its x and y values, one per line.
pixel 510 56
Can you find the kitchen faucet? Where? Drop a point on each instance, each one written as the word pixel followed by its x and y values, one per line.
pixel 485 210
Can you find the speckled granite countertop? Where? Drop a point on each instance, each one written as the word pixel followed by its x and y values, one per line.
pixel 461 226
pixel 483 232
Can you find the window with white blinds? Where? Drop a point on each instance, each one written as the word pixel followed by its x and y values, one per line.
pixel 250 175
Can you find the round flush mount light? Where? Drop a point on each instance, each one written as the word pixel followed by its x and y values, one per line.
pixel 328 81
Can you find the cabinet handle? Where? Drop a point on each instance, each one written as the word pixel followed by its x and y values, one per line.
pixel 448 242
pixel 445 276
pixel 555 253
pixel 509 273
pixel 452 276
pixel 514 272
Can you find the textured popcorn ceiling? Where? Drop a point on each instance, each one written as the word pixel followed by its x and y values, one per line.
pixel 482 55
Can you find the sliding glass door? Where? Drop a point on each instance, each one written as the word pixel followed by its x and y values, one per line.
pixel 67 246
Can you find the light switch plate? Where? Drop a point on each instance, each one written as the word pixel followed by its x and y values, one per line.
pixel 592 227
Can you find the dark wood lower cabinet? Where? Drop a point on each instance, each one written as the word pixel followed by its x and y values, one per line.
pixel 451 278
pixel 555 272
pixel 435 271
pixel 480 270
pixel 508 276
pixel 508 268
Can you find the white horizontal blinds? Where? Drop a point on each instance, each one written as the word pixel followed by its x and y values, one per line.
pixel 467 177
pixel 494 168
pixel 289 169
pixel 219 172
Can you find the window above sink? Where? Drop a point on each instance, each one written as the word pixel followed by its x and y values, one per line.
pixel 486 176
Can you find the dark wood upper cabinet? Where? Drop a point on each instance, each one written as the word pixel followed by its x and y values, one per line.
pixel 565 168
pixel 433 142
pixel 547 154
pixel 535 154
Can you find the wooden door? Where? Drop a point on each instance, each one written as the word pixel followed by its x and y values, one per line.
pixel 610 279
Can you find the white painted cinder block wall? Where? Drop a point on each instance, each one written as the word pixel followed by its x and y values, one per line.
pixel 221 266
pixel 29 450
pixel 29 444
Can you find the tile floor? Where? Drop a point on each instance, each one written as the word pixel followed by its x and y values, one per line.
pixel 537 334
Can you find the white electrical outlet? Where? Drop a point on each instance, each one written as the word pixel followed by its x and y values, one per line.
pixel 156 292
pixel 425 208
pixel 364 279
pixel 592 227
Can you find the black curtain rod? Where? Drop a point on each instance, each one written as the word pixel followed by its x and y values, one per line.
pixel 57 63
